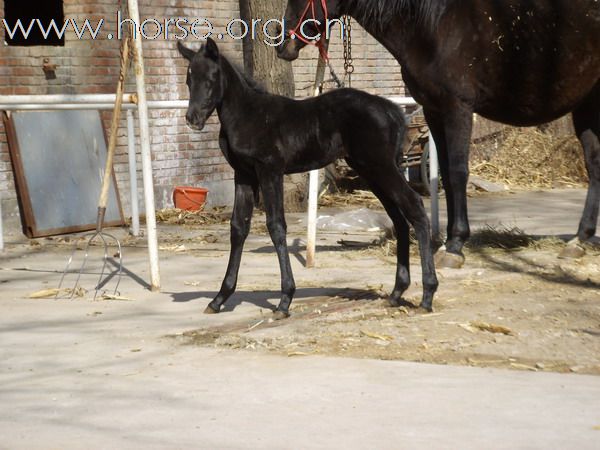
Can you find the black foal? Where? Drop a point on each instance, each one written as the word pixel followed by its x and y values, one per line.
pixel 265 136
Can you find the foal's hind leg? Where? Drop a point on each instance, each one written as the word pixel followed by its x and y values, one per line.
pixel 272 189
pixel 402 248
pixel 586 119
pixel 411 206
pixel 245 190
pixel 390 185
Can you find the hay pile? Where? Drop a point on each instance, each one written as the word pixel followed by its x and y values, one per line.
pixel 365 199
pixel 510 238
pixel 174 216
pixel 529 157
pixel 488 237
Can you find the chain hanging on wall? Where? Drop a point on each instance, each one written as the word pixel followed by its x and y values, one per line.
pixel 347 43
pixel 348 61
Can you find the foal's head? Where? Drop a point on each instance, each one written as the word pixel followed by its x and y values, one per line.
pixel 203 81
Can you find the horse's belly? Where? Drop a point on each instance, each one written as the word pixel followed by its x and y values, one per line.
pixel 520 116
pixel 533 104
pixel 315 154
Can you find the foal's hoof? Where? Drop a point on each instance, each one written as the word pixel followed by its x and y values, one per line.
pixel 210 310
pixel 428 307
pixel 447 260
pixel 573 250
pixel 278 315
pixel 397 302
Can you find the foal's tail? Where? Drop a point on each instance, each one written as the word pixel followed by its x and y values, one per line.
pixel 400 124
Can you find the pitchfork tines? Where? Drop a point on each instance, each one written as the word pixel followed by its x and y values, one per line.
pixel 104 238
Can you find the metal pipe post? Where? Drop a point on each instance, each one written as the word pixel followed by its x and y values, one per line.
pixel 313 180
pixel 311 232
pixel 133 187
pixel 144 128
pixel 1 231
pixel 433 182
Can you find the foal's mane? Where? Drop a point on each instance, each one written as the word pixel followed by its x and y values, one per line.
pixel 379 13
pixel 250 82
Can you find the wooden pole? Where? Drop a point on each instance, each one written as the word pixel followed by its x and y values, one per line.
pixel 151 234
pixel 433 183
pixel 112 140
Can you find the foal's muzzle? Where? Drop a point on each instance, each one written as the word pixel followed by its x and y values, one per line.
pixel 195 120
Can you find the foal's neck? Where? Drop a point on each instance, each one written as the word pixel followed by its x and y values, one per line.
pixel 237 95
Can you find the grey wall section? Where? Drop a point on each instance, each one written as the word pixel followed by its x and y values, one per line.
pixel 63 155
pixel 220 193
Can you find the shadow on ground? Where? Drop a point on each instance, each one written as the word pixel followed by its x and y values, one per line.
pixel 269 299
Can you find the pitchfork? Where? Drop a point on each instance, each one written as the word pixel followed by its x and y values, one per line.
pixel 103 201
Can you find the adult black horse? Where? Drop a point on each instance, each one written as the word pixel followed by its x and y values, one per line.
pixel 520 62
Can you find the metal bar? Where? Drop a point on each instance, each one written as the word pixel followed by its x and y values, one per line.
pixel 152 104
pixel 11 101
pixel 433 182
pixel 133 187
pixel 399 100
pixel 58 106
pixel 66 98
pixel 144 128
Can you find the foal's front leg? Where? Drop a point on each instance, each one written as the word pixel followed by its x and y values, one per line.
pixel 272 189
pixel 245 188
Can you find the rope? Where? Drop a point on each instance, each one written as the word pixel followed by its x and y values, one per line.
pixel 347 42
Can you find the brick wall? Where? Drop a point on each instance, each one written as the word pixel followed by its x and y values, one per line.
pixel 180 157
pixel 376 70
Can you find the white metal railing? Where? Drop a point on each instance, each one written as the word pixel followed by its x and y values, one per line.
pixel 106 102
pixel 142 107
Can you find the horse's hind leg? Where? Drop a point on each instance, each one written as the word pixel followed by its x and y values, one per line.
pixel 245 190
pixel 586 119
pixel 272 189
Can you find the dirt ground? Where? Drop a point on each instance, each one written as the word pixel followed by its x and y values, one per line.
pixel 519 308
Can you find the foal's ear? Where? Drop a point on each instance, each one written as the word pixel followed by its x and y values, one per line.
pixel 187 53
pixel 211 50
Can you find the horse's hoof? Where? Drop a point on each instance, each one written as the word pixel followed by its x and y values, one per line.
pixel 210 310
pixel 447 260
pixel 572 251
pixel 278 315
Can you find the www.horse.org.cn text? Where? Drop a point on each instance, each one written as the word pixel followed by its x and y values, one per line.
pixel 271 31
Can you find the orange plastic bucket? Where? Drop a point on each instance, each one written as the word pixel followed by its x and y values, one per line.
pixel 189 198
